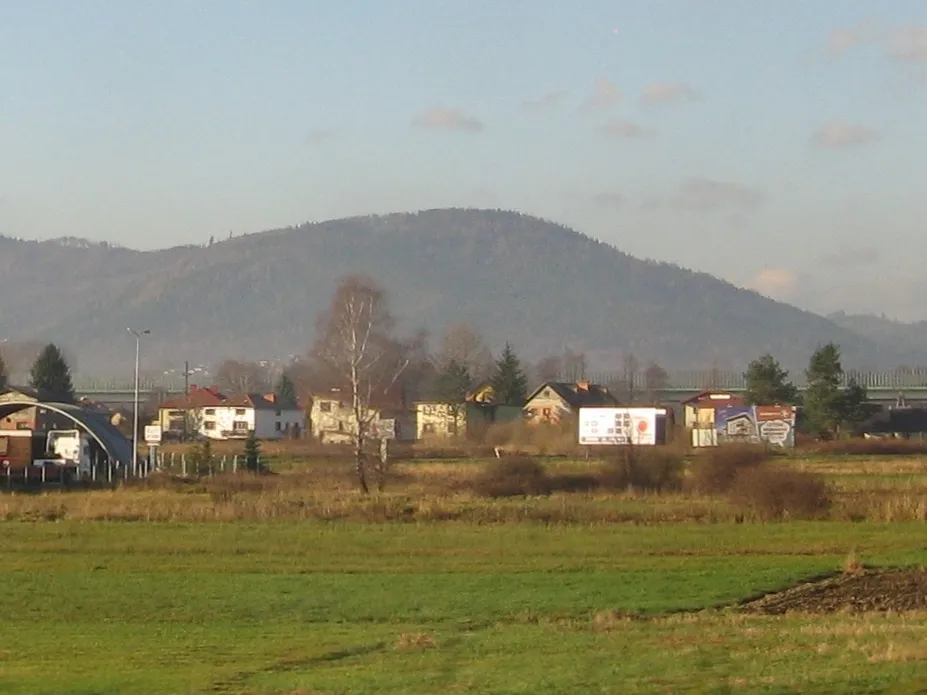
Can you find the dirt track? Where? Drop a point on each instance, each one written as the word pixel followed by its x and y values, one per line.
pixel 893 590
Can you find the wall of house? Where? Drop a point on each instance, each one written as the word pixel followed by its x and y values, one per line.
pixel 277 424
pixel 332 421
pixel 439 420
pixel 547 406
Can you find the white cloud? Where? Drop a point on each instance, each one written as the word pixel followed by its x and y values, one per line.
pixel 844 39
pixel 604 95
pixel 452 120
pixel 621 128
pixel 665 92
pixel 837 134
pixel 777 283
pixel 551 100
pixel 706 194
pixel 908 43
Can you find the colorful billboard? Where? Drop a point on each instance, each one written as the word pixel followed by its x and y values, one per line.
pixel 620 426
pixel 772 424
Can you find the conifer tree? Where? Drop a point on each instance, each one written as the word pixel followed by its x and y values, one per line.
pixel 51 375
pixel 509 384
pixel 252 453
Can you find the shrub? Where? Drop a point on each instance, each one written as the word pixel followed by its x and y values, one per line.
pixel 511 477
pixel 777 493
pixel 715 470
pixel 646 469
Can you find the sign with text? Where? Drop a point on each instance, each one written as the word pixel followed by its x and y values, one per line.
pixel 152 434
pixel 619 426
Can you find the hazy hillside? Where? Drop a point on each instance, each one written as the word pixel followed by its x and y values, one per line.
pixel 905 337
pixel 513 277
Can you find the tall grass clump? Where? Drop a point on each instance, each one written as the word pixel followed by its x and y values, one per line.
pixel 513 477
pixel 644 469
pixel 715 470
pixel 780 493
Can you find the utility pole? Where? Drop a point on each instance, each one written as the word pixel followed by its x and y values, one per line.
pixel 138 340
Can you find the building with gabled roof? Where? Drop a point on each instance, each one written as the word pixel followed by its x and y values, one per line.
pixel 554 400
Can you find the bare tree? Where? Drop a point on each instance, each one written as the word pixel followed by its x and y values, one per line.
pixel 463 345
pixel 655 378
pixel 242 377
pixel 356 344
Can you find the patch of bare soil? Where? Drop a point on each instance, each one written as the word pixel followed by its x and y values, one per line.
pixel 861 592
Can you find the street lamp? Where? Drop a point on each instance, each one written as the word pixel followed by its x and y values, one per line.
pixel 138 339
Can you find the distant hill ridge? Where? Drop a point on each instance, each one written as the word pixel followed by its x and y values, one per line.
pixel 513 277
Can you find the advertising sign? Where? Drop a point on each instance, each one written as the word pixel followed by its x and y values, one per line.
pixel 755 424
pixel 621 426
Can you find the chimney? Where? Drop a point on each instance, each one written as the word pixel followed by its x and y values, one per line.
pixel 272 397
pixel 582 385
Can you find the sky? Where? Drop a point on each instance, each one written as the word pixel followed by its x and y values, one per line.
pixel 778 145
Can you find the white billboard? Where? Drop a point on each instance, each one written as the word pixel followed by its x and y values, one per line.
pixel 610 426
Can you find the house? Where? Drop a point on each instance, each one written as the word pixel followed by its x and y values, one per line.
pixel 332 420
pixel 262 414
pixel 470 419
pixel 183 417
pixel 208 413
pixel 35 419
pixel 553 401
pixel 699 410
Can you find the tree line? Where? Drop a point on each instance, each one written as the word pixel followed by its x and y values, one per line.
pixel 827 406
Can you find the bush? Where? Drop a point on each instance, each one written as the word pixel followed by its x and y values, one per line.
pixel 775 493
pixel 646 469
pixel 511 477
pixel 716 469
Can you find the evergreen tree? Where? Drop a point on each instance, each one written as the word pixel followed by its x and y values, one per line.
pixel 856 405
pixel 452 386
pixel 509 384
pixel 768 383
pixel 252 453
pixel 825 401
pixel 4 376
pixel 51 376
pixel 285 390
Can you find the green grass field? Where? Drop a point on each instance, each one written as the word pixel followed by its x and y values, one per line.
pixel 288 607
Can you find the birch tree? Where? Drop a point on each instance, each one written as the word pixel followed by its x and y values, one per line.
pixel 356 346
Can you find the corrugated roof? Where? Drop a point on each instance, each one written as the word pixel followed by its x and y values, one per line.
pixel 116 446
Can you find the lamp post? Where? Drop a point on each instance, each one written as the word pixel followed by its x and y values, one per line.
pixel 138 339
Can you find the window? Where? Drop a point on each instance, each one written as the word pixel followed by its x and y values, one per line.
pixel 239 411
pixel 209 425
pixel 452 428
pixel 22 425
pixel 428 428
pixel 279 413
pixel 210 411
pixel 240 425
pixel 278 426
pixel 325 406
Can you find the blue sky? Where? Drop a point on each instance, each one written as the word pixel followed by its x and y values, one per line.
pixel 780 145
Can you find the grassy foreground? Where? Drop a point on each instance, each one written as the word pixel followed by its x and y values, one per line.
pixel 286 607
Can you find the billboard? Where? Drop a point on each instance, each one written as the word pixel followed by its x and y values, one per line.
pixel 611 426
pixel 772 424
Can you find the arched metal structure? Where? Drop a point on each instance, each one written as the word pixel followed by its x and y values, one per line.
pixel 110 439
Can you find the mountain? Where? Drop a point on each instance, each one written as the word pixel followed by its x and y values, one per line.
pixel 511 276
pixel 907 338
